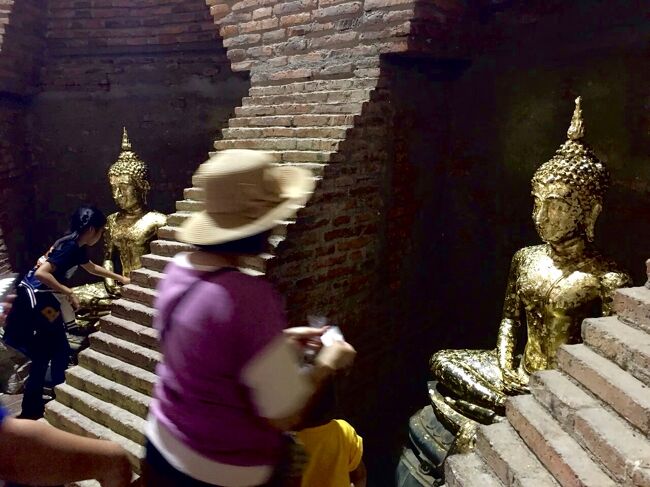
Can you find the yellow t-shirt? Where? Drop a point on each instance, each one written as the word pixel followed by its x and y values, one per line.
pixel 334 451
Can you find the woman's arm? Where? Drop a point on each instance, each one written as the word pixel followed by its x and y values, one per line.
pixel 97 270
pixel 33 452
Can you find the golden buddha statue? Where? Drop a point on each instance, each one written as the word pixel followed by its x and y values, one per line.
pixel 128 232
pixel 551 289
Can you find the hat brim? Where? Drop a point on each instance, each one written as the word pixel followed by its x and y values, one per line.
pixel 201 228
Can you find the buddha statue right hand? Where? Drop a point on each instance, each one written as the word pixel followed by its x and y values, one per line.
pixel 514 381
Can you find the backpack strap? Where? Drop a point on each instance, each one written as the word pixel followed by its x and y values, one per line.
pixel 166 323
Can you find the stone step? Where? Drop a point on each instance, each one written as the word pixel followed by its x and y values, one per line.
pixel 563 457
pixel 193 193
pixel 329 108
pixel 155 262
pixel 632 304
pixel 627 395
pixel 169 248
pixel 130 353
pixel 276 144
pixel 469 470
pixel 176 219
pixel 560 396
pixel 129 331
pixel 189 205
pixel 109 415
pixel 117 370
pixel 146 278
pixel 508 456
pixel 315 85
pixel 331 132
pixel 139 294
pixel 336 96
pixel 67 419
pixel 614 443
pixel 312 120
pixel 107 390
pixel 305 158
pixel 624 451
pixel 624 345
pixel 136 312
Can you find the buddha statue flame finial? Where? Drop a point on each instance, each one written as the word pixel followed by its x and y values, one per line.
pixel 576 129
pixel 126 143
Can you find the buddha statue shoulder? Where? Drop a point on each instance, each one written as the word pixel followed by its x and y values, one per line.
pixel 129 231
pixel 551 289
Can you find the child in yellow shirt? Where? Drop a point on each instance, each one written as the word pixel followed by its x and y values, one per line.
pixel 334 448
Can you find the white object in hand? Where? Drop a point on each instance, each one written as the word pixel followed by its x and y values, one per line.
pixel 333 334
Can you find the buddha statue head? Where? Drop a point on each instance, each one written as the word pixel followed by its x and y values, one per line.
pixel 128 178
pixel 569 189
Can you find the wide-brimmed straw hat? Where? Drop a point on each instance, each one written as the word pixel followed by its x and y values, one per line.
pixel 244 195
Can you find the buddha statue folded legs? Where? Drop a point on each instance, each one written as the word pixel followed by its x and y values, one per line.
pixel 128 233
pixel 551 289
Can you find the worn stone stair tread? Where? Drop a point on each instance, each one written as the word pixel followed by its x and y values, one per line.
pixel 107 390
pixel 558 394
pixel 130 331
pixel 139 294
pixel 333 132
pixel 623 450
pixel 189 205
pixel 315 85
pixel 146 277
pixel 117 370
pixel 632 304
pixel 109 415
pixel 129 352
pixel 322 108
pixel 279 143
pixel 625 394
pixel 609 438
pixel 323 96
pixel 624 345
pixel 315 120
pixel 508 456
pixel 155 262
pixel 561 454
pixel 469 470
pixel 66 418
pixel 130 310
pixel 169 248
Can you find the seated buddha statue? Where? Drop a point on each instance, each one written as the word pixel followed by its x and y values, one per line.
pixel 128 232
pixel 551 289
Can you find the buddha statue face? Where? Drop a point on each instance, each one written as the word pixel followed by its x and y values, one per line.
pixel 558 213
pixel 125 192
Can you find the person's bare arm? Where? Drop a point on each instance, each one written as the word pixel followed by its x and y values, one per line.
pixel 33 452
pixel 359 476
pixel 97 270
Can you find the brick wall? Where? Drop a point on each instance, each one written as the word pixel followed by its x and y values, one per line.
pixel 21 48
pixel 156 67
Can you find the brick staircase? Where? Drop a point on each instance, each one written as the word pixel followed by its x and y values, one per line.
pixel 585 424
pixel 107 394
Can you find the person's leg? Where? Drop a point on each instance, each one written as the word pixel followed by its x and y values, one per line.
pixel 48 323
pixel 60 354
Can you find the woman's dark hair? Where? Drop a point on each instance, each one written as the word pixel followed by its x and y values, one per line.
pixel 86 217
pixel 253 245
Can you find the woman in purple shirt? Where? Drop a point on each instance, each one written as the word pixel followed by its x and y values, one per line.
pixel 230 380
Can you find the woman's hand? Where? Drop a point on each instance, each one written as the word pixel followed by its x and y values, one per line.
pixel 125 280
pixel 339 355
pixel 305 337
pixel 5 308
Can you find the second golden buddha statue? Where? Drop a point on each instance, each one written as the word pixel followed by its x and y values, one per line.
pixel 551 289
pixel 128 232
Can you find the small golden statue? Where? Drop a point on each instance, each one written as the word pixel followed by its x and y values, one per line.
pixel 128 232
pixel 551 289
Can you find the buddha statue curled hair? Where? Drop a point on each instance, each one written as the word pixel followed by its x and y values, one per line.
pixel 129 164
pixel 576 165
